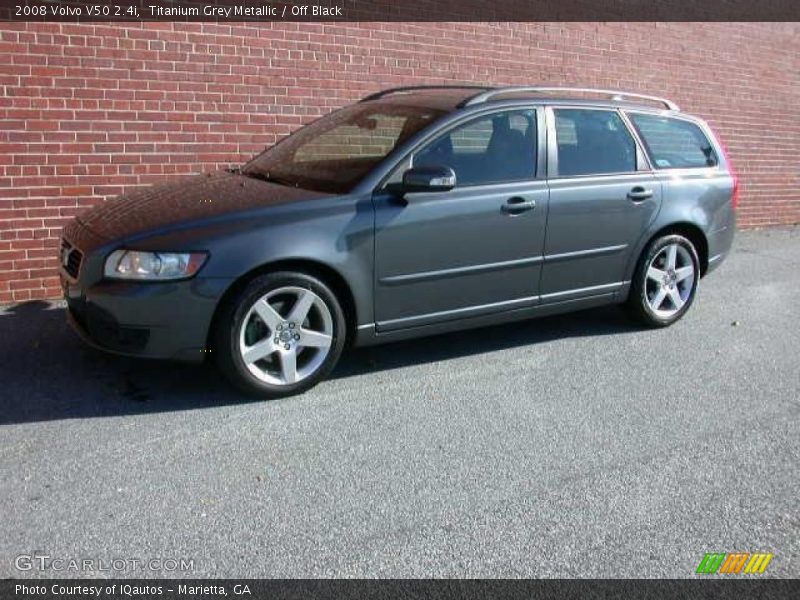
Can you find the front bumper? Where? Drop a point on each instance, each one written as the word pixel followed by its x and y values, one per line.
pixel 168 320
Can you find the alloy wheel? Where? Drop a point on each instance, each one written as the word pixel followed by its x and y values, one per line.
pixel 669 281
pixel 286 335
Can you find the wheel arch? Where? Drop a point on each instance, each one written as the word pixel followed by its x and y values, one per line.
pixel 325 273
pixel 689 230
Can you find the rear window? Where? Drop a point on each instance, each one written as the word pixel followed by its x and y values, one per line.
pixel 674 143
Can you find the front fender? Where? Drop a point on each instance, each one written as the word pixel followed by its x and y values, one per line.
pixel 334 232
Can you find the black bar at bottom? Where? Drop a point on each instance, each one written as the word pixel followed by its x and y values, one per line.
pixel 406 589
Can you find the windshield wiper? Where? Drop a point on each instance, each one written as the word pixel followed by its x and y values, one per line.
pixel 269 178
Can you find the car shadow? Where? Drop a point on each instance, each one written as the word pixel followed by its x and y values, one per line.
pixel 589 323
pixel 47 373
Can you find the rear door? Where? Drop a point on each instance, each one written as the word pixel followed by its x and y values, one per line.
pixel 476 249
pixel 603 195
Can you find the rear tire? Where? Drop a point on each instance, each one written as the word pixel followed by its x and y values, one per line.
pixel 280 336
pixel 665 281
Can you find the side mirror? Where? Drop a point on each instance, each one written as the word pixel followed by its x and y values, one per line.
pixel 429 179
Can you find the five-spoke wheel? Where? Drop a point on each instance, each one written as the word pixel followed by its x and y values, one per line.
pixel 670 280
pixel 281 335
pixel 283 346
pixel 665 281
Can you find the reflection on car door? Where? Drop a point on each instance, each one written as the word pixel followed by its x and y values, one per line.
pixel 470 251
pixel 602 196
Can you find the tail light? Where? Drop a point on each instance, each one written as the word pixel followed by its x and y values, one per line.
pixel 734 175
pixel 735 194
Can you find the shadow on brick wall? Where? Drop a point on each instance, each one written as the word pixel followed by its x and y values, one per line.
pixel 47 373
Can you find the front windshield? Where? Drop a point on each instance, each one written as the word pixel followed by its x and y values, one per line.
pixel 335 152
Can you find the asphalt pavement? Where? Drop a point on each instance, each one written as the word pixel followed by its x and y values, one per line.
pixel 572 446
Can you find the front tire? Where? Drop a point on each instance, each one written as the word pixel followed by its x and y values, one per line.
pixel 665 282
pixel 281 335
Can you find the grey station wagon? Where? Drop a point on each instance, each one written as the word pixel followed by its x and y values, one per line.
pixel 415 211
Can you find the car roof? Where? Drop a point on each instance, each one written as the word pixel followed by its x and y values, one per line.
pixel 452 98
pixel 444 100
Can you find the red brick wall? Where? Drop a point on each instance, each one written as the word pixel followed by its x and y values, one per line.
pixel 89 110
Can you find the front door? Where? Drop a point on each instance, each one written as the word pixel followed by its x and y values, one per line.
pixel 476 249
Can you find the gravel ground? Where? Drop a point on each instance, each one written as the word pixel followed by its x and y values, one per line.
pixel 574 446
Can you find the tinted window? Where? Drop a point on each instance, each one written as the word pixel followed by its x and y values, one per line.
pixel 593 142
pixel 492 149
pixel 335 152
pixel 674 143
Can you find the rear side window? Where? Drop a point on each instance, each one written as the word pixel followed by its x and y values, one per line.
pixel 593 142
pixel 674 143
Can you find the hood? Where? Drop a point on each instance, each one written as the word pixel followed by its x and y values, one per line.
pixel 198 198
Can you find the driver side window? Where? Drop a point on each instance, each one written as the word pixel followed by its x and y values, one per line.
pixel 492 149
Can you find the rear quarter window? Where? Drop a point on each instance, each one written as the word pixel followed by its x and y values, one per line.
pixel 674 143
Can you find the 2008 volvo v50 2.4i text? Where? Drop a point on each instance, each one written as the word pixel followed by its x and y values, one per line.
pixel 412 212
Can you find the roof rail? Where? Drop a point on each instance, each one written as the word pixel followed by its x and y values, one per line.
pixel 415 88
pixel 615 95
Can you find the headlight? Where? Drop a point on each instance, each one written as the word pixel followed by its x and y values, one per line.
pixel 153 266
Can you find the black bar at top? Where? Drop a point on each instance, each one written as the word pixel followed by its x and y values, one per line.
pixel 399 10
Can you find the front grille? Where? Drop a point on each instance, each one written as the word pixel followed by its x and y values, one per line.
pixel 71 259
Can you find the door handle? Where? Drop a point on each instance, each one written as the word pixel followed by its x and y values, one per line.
pixel 638 194
pixel 516 205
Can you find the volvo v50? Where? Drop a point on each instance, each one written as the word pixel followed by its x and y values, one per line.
pixel 412 212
